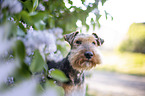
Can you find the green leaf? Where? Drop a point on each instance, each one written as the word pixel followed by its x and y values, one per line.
pixel 20 50
pixel 51 22
pixel 39 25
pixel 37 63
pixel 83 1
pixel 22 73
pixel 17 17
pixel 92 21
pixel 111 17
pixel 98 16
pixel 70 2
pixel 58 75
pixel 37 16
pixel 103 1
pixel 87 27
pixel 22 27
pixel 33 17
pixel 35 4
pixel 94 25
pixel 97 19
pixel 39 89
pixel 26 18
pixel 60 90
pixel 46 68
pixel 13 30
pixel 28 5
pixel 51 84
pixel 106 15
pixel 98 24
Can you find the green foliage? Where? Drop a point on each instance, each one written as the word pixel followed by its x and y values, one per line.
pixel 37 63
pixel 58 75
pixel 27 5
pixel 22 28
pixel 50 84
pixel 34 19
pixel 61 16
pixel 135 41
pixel 30 5
pixel 55 14
pixel 40 25
pixel 103 1
pixel 35 4
pixel 21 73
pixel 20 50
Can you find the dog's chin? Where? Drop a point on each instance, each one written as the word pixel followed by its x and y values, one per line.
pixel 87 64
pixel 84 65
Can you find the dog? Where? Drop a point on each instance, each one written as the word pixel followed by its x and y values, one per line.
pixel 82 56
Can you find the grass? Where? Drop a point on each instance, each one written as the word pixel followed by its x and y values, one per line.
pixel 129 63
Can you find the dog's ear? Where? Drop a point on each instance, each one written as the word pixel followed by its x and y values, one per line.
pixel 99 40
pixel 70 37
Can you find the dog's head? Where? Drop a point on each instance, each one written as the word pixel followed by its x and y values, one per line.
pixel 84 54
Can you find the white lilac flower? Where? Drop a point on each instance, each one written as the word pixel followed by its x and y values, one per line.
pixel 57 32
pixel 45 41
pixel 51 92
pixel 45 0
pixel 5 46
pixel 36 39
pixel 4 42
pixel 25 88
pixel 50 31
pixel 6 68
pixel 41 50
pixel 59 42
pixel 16 8
pixel 12 19
pixel 55 56
pixel 28 60
pixel 67 4
pixel 49 71
pixel 24 24
pixel 96 11
pixel 50 42
pixel 31 28
pixel 41 7
pixel 1 15
pixel 13 5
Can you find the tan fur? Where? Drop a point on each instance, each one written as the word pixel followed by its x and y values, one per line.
pixel 77 58
pixel 79 61
pixel 72 90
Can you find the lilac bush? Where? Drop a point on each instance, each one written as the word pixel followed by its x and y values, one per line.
pixel 31 32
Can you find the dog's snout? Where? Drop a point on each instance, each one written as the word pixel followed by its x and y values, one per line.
pixel 88 54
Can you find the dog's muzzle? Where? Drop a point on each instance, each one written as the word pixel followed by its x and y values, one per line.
pixel 88 54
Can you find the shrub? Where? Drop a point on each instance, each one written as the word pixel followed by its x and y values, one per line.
pixel 31 32
pixel 135 41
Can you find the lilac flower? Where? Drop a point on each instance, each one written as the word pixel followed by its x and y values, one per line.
pixel 41 7
pixel 14 6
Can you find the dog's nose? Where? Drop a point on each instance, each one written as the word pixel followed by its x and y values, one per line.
pixel 88 54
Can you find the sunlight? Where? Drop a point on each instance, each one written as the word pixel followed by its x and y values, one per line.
pixel 124 12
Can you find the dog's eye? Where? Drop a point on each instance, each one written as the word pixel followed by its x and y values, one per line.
pixel 78 42
pixel 93 43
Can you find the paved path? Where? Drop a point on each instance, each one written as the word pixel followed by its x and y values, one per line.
pixel 115 84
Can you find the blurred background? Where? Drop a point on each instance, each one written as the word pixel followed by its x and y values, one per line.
pixel 31 32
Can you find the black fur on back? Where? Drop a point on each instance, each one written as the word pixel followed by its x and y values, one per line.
pixel 64 65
